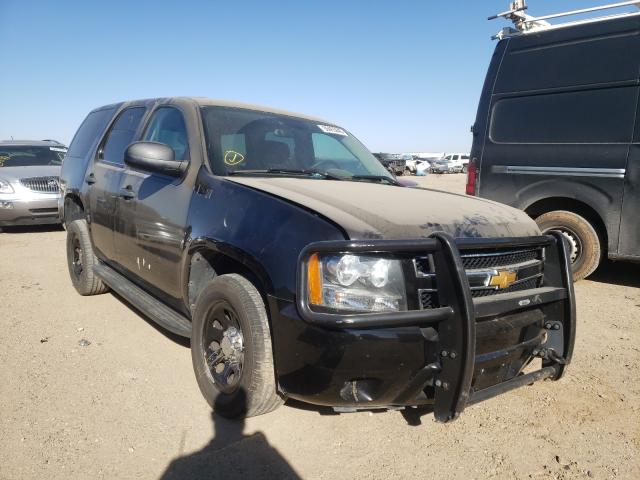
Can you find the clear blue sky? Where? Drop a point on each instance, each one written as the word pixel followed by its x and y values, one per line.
pixel 401 75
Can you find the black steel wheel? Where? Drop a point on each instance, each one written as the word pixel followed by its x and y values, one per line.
pixel 231 349
pixel 223 346
pixel 81 259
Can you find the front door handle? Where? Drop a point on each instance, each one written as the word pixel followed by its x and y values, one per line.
pixel 91 179
pixel 127 192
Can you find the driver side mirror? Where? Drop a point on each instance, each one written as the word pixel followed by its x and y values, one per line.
pixel 154 157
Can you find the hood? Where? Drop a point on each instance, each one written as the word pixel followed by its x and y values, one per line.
pixel 368 210
pixel 14 174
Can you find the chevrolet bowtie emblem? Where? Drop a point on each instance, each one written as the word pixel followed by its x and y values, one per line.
pixel 504 279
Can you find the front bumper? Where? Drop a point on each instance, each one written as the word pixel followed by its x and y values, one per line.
pixel 447 357
pixel 28 209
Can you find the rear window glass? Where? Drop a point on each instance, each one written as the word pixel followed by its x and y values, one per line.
pixel 594 116
pixel 87 134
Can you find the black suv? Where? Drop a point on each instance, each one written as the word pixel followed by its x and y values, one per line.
pixel 557 134
pixel 281 247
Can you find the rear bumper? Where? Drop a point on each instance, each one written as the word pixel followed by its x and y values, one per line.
pixel 35 209
pixel 447 357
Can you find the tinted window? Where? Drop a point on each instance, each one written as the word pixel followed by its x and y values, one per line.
pixel 121 135
pixel 167 126
pixel 595 116
pixel 88 133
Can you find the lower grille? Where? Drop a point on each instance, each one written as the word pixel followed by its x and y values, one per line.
pixel 41 184
pixel 428 299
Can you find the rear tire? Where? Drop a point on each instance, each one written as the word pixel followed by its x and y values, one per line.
pixel 231 349
pixel 586 250
pixel 81 259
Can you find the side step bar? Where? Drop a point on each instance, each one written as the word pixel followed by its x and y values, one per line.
pixel 154 309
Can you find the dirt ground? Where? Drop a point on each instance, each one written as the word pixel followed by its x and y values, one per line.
pixel 126 404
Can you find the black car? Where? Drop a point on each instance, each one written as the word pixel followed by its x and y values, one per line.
pixel 273 241
pixel 557 134
pixel 393 162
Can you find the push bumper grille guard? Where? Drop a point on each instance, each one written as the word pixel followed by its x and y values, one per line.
pixel 456 321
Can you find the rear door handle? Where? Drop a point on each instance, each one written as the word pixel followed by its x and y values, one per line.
pixel 91 179
pixel 127 192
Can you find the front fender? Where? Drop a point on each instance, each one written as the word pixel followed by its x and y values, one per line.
pixel 262 232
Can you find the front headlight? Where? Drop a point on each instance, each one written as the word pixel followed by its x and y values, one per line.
pixel 5 187
pixel 362 283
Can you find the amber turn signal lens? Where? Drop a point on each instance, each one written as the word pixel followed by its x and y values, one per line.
pixel 314 280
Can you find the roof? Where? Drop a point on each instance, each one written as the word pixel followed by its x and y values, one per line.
pixel 31 143
pixel 210 102
pixel 526 24
pixel 231 104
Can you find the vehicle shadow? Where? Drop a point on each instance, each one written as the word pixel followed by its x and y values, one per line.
pixel 617 273
pixel 231 454
pixel 32 229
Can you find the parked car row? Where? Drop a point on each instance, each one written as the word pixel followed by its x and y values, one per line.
pixel 400 164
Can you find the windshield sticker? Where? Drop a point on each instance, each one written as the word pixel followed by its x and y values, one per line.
pixel 232 158
pixel 58 149
pixel 332 130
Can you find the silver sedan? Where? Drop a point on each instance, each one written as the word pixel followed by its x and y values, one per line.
pixel 29 188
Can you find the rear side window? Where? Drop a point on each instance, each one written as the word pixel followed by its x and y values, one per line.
pixel 121 135
pixel 594 116
pixel 88 133
pixel 167 126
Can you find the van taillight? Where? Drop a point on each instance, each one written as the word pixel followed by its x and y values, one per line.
pixel 472 177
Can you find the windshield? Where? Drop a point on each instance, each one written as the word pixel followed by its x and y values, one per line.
pixel 248 142
pixel 29 156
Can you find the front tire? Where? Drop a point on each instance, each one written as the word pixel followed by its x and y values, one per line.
pixel 81 259
pixel 231 349
pixel 585 248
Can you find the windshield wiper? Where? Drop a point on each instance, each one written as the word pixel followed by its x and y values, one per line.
pixel 382 178
pixel 288 171
pixel 315 173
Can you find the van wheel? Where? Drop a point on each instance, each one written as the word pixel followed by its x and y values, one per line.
pixel 81 259
pixel 231 349
pixel 584 242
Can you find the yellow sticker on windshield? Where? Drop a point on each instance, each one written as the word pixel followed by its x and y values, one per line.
pixel 232 158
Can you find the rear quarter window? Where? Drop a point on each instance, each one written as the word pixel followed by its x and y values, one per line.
pixel 87 135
